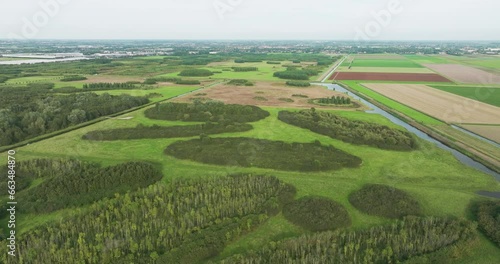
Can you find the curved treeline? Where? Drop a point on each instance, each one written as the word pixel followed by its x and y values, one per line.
pixel 383 244
pixel 251 152
pixel 385 201
pixel 156 131
pixel 205 112
pixel 350 131
pixel 196 73
pixel 488 217
pixel 81 183
pixel 186 221
pixel 244 69
pixel 109 86
pixel 28 112
pixel 295 74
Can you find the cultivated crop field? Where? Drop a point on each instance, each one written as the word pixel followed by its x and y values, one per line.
pixel 442 105
pixel 377 76
pixel 465 74
pixel 485 94
pixel 490 132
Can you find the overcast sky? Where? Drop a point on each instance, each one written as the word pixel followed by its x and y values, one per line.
pixel 251 19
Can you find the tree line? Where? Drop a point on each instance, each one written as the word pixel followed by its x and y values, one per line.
pixel 395 243
pixel 186 221
pixel 335 100
pixel 351 131
pixel 156 131
pixel 27 112
pixel 251 152
pixel 244 69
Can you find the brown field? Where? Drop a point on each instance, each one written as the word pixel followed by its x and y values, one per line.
pixel 376 76
pixel 489 132
pixel 439 104
pixel 272 92
pixel 465 74
pixel 111 79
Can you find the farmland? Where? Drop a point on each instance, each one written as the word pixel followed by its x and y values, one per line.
pixel 379 76
pixel 465 74
pixel 490 132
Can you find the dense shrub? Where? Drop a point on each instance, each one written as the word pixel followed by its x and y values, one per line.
pixel 251 152
pixel 351 131
pixel 287 100
pixel 165 132
pixel 334 100
pixel 185 221
pixel 72 78
pixel 300 95
pixel 317 214
pixel 273 62
pixel 244 69
pixel 196 73
pixel 298 83
pixel 240 82
pixel 3 79
pixel 204 112
pixel 292 75
pixel 385 201
pixel 383 244
pixel 488 217
pixel 108 86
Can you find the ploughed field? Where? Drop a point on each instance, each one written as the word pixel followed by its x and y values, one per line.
pixel 465 74
pixel 442 105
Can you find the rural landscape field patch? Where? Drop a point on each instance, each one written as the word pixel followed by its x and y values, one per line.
pixel 378 76
pixel 465 74
pixel 442 105
pixel 489 132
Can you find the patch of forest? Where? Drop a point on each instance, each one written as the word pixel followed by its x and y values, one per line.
pixel 488 218
pixel 240 82
pixel 251 152
pixel 385 201
pixel 350 131
pixel 28 112
pixel 186 221
pixel 394 243
pixel 205 112
pixel 156 131
pixel 71 183
pixel 317 214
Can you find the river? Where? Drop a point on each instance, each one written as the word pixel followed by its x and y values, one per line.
pixel 461 157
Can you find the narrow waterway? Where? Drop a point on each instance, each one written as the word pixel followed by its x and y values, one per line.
pixel 461 157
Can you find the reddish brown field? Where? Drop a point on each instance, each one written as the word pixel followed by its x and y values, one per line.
pixel 375 76
pixel 265 94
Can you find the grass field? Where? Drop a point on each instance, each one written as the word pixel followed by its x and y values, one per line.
pixel 383 63
pixel 384 69
pixel 167 92
pixel 424 59
pixel 34 79
pixel 414 114
pixel 485 94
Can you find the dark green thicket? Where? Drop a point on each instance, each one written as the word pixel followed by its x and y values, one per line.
pixel 334 100
pixel 204 112
pixel 27 112
pixel 394 243
pixel 196 73
pixel 385 201
pixel 298 83
pixel 351 131
pixel 317 214
pixel 251 152
pixel 156 131
pixel 488 217
pixel 188 82
pixel 186 221
pixel 244 69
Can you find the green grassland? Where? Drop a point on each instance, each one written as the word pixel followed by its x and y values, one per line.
pixel 428 59
pixel 410 112
pixel 34 79
pixel 442 185
pixel 489 95
pixel 384 69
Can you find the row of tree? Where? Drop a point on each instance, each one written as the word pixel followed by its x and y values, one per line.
pixel 351 131
pixel 244 69
pixel 394 243
pixel 184 222
pixel 488 217
pixel 335 100
pixel 251 152
pixel 108 86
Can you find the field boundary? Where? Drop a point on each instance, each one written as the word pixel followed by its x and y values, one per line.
pixel 431 132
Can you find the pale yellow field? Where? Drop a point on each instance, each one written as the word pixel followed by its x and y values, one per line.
pixel 489 132
pixel 439 104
